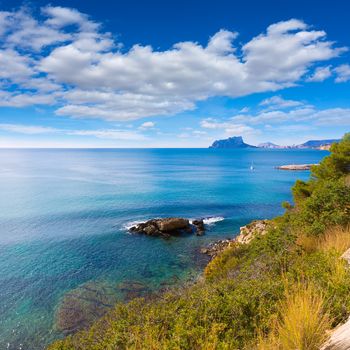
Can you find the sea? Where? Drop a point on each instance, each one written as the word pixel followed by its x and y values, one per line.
pixel 65 214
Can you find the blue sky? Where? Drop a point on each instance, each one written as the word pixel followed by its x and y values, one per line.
pixel 172 73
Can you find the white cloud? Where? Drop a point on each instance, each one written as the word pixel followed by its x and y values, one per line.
pixel 330 116
pixel 62 16
pixel 284 54
pixel 298 117
pixel 343 73
pixel 230 128
pixel 199 132
pixel 147 125
pixel 115 134
pixel 110 134
pixel 90 78
pixel 23 31
pixel 320 74
pixel 27 129
pixel 13 99
pixel 184 135
pixel 276 102
pixel 244 110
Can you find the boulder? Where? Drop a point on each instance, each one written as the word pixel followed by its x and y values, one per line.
pixel 169 227
pixel 163 227
pixel 172 224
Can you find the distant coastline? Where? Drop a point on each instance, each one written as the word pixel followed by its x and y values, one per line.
pixel 237 142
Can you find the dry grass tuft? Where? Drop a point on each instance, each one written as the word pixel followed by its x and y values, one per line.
pixel 303 322
pixel 308 243
pixel 337 238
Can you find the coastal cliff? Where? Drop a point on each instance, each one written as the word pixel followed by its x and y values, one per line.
pixel 282 284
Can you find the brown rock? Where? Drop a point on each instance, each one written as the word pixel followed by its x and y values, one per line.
pixel 163 227
pixel 199 225
pixel 172 224
pixel 247 233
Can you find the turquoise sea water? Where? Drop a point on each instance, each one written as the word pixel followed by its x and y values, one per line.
pixel 64 213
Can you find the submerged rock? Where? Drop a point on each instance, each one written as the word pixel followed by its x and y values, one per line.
pixel 133 289
pixel 80 307
pixel 169 227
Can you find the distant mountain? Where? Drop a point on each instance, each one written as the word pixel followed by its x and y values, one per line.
pixel 317 143
pixel 237 142
pixel 231 142
pixel 268 145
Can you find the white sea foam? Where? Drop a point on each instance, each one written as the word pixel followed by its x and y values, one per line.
pixel 130 224
pixel 213 220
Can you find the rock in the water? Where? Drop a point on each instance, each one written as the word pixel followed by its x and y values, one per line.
pixel 172 224
pixel 163 227
pixel 80 307
pixel 199 225
pixel 169 227
pixel 133 289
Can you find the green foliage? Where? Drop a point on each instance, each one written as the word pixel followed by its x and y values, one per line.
pixel 328 205
pixel 243 293
pixel 324 200
pixel 337 164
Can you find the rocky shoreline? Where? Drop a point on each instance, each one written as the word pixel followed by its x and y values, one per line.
pixel 246 234
pixel 80 307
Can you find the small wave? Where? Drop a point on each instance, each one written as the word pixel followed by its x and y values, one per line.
pixel 130 224
pixel 213 220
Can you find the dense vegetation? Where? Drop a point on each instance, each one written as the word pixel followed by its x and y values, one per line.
pixel 283 290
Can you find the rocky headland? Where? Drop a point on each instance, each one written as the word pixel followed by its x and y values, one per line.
pixel 295 167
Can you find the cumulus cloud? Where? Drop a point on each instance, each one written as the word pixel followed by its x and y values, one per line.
pixel 320 74
pixel 66 53
pixel 343 73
